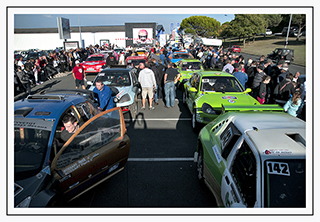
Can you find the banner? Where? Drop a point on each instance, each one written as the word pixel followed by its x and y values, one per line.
pixel 64 28
pixel 142 35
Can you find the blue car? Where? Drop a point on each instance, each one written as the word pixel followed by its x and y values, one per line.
pixel 179 55
pixel 48 170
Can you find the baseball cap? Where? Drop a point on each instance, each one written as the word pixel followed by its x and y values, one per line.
pixel 77 62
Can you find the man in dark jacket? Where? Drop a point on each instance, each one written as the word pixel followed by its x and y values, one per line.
pixel 257 80
pixel 284 90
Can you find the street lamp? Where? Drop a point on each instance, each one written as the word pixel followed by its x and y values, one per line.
pixel 288 31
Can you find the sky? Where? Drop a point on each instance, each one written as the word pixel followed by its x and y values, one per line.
pixel 50 20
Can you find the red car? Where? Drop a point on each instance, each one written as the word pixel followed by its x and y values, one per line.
pixel 94 63
pixel 135 60
pixel 235 48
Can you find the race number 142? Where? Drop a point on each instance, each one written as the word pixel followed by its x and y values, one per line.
pixel 278 168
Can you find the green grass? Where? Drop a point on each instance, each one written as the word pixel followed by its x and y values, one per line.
pixel 265 45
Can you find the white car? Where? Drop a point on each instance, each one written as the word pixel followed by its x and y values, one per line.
pixel 254 158
pixel 268 32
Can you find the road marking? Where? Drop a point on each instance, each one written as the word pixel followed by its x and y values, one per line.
pixel 159 159
pixel 160 119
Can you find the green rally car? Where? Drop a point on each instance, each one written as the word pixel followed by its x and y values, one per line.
pixel 254 158
pixel 207 91
pixel 187 67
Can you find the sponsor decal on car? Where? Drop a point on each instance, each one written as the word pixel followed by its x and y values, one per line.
pixel 231 101
pixel 277 152
pixel 229 97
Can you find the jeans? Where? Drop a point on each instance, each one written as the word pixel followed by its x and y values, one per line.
pixel 169 90
pixel 156 94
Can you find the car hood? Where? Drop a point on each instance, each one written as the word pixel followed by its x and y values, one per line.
pixel 92 63
pixel 30 186
pixel 215 99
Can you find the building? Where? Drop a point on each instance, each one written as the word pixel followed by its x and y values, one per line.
pixel 134 34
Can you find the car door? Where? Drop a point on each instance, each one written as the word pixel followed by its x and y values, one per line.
pixel 96 151
pixel 190 92
pixel 239 180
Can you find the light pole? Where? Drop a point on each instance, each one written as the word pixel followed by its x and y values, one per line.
pixel 82 46
pixel 288 31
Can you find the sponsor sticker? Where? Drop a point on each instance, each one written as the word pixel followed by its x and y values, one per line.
pixel 216 153
pixel 229 97
pixel 231 101
pixel 277 152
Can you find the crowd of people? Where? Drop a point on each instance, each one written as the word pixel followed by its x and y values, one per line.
pixel 270 83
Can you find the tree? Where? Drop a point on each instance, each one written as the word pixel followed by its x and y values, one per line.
pixel 300 21
pixel 200 25
pixel 272 20
pixel 244 25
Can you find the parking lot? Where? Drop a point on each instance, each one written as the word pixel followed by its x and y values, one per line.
pixel 160 171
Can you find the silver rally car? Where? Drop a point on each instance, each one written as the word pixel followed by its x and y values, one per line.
pixel 124 85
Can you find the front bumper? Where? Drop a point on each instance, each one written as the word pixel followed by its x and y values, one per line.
pixel 205 118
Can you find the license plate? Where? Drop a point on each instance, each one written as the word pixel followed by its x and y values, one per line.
pixel 91 69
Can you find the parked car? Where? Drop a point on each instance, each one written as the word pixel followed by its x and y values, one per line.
pixel 179 55
pixel 254 158
pixel 135 60
pixel 206 92
pixel 268 32
pixel 47 169
pixel 94 63
pixel 187 67
pixel 142 52
pixel 282 54
pixel 235 48
pixel 124 85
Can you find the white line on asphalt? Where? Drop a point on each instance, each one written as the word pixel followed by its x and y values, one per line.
pixel 159 159
pixel 160 119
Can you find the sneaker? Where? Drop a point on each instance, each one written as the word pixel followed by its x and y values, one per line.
pixel 151 108
pixel 156 104
pixel 143 108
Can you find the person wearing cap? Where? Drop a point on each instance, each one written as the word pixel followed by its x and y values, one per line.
pixel 78 75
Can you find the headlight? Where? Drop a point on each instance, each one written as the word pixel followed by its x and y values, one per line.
pixel 206 108
pixel 124 98
pixel 99 66
pixel 84 67
pixel 115 99
pixel 25 202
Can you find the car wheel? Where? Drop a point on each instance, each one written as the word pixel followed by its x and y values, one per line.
pixel 134 108
pixel 195 124
pixel 184 97
pixel 200 166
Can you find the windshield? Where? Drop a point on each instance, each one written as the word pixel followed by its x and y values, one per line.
pixel 182 56
pixel 31 138
pixel 114 78
pixel 220 84
pixel 190 66
pixel 136 62
pixel 285 183
pixel 95 58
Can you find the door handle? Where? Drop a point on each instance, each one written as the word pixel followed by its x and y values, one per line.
pixel 122 145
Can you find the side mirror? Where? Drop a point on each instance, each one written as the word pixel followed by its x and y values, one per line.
pixel 192 89
pixel 248 90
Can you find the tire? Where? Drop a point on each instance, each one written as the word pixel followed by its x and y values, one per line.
pixel 133 109
pixel 184 97
pixel 195 124
pixel 200 166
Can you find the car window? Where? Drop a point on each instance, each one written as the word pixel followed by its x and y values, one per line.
pixel 94 135
pixel 220 84
pixel 228 139
pixel 190 66
pixel 84 111
pixel 95 58
pixel 285 183
pixel 243 171
pixel 114 78
pixel 31 138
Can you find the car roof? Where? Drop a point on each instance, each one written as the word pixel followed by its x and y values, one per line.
pixel 95 55
pixel 214 73
pixel 115 69
pixel 47 106
pixel 272 130
pixel 190 60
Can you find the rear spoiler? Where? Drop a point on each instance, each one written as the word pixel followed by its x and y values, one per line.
pixel 258 107
pixel 82 92
pixel 118 66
